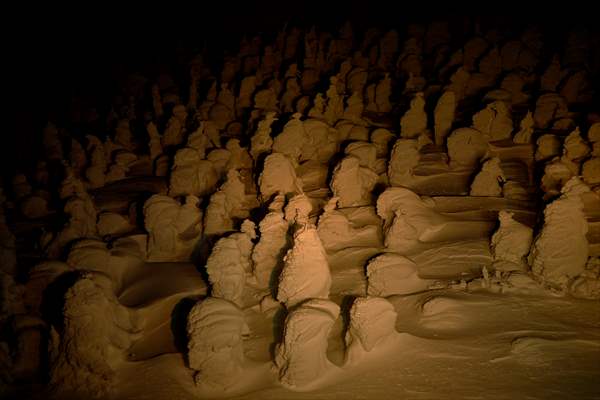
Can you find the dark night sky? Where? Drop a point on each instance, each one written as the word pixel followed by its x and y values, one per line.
pixel 55 54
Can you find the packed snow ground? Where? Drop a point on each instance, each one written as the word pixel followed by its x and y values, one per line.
pixel 452 344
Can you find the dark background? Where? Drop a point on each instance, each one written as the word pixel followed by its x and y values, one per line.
pixel 83 53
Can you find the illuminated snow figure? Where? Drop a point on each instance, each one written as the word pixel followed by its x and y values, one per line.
pixel 487 181
pixel 337 232
pixel 215 349
pixel 383 90
pixel 173 229
pixel 560 251
pixel 404 158
pixel 510 244
pixel 549 107
pixel 466 146
pixel 154 141
pixel 557 172
pixel 444 116
pixel 175 132
pixel 587 285
pixel 301 357
pixel 239 158
pixel 353 183
pixel 82 213
pixel 525 132
pixel 390 274
pixel 591 171
pixel 95 334
pixel 261 141
pixel 298 209
pixel 230 262
pixel 278 176
pixel 366 152
pixel 547 146
pixel 291 140
pixel 192 175
pixel 120 168
pixel 123 135
pixel 372 320
pixel 495 121
pixel 407 219
pixel 305 271
pixel 574 147
pixel 414 121
pixel 270 249
pixel 96 171
pixel 8 250
pixel 226 205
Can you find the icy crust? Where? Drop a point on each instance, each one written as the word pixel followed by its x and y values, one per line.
pixel 215 330
pixel 372 320
pixel 301 357
pixel 95 333
pixel 553 259
pixel 305 273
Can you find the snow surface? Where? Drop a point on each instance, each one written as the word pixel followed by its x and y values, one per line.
pixel 452 344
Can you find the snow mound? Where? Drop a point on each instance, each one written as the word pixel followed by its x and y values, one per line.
pixel 390 274
pixel 306 272
pixel 215 349
pixel 302 356
pixel 86 349
pixel 372 319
